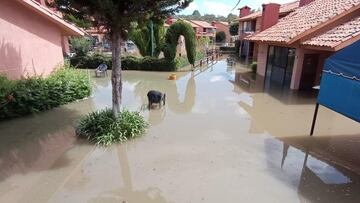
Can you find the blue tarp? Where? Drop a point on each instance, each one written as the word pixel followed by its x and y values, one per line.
pixel 340 82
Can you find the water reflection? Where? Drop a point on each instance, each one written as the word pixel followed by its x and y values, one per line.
pixel 128 193
pixel 26 143
pixel 320 174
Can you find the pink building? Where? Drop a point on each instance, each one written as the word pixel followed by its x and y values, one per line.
pixel 33 38
pixel 252 23
pixel 223 27
pixel 291 53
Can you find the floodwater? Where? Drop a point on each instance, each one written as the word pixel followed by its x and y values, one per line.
pixel 220 138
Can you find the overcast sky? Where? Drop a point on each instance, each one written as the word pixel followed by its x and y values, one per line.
pixel 223 7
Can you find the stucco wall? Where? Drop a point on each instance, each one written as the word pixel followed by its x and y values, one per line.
pixel 223 28
pixel 261 59
pixel 29 44
pixel 298 66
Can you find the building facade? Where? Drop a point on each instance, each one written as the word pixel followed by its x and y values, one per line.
pixel 252 23
pixel 291 53
pixel 33 39
pixel 223 27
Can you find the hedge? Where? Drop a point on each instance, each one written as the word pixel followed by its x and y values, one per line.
pixel 128 63
pixel 26 96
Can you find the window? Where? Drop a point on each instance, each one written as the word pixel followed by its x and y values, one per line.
pixel 280 66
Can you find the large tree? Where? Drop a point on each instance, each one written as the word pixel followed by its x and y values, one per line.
pixel 116 17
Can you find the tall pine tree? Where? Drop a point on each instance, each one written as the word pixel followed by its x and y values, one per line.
pixel 116 17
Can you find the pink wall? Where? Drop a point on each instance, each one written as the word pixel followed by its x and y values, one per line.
pixel 244 11
pixel 29 44
pixel 298 66
pixel 223 28
pixel 270 15
pixel 261 59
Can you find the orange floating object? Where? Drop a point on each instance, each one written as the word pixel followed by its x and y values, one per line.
pixel 172 77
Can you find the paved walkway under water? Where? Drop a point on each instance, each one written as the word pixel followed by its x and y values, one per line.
pixel 220 138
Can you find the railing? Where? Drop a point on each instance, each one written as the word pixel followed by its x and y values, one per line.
pixel 247 31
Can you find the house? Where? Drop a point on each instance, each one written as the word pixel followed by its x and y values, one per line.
pixel 223 27
pixel 291 53
pixel 201 28
pixel 205 29
pixel 251 23
pixel 33 38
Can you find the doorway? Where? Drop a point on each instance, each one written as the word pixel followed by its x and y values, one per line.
pixel 279 67
pixel 308 75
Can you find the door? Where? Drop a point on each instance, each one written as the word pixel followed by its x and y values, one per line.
pixel 308 75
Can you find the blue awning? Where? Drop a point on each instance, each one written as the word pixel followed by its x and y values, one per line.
pixel 345 63
pixel 340 82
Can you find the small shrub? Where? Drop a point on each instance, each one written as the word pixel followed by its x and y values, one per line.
pixel 90 61
pixel 220 36
pixel 102 129
pixel 253 66
pixel 133 63
pixel 81 45
pixel 237 46
pixel 26 96
pixel 183 61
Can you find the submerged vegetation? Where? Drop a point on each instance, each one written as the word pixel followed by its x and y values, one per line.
pixel 32 95
pixel 102 129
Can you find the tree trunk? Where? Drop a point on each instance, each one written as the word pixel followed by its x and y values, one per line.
pixel 116 79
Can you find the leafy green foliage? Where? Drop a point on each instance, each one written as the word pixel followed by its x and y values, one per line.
pixel 80 22
pixel 26 96
pixel 237 46
pixel 133 63
pixel 183 61
pixel 207 17
pixel 148 64
pixel 202 42
pixel 80 45
pixel 253 66
pixel 102 129
pixel 91 61
pixel 128 63
pixel 172 38
pixel 117 16
pixel 141 36
pixel 220 36
pixel 234 29
pixel 196 14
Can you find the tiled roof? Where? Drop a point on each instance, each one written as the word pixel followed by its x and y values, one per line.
pixel 191 23
pixel 306 18
pixel 337 35
pixel 52 16
pixel 284 8
pixel 202 24
pixel 224 23
pixel 187 21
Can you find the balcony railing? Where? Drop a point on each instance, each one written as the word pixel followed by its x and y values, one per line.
pixel 247 31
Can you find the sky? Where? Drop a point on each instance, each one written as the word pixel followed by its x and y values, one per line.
pixel 223 7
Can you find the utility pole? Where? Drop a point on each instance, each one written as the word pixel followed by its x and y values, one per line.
pixel 152 37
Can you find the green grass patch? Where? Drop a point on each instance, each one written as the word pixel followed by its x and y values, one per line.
pixel 102 129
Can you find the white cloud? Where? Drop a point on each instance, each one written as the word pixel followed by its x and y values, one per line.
pixel 191 8
pixel 218 8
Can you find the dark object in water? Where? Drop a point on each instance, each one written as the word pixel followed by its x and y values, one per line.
pixel 156 97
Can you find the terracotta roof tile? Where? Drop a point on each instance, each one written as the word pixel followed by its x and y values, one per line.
pixel 284 8
pixel 202 24
pixel 305 18
pixel 337 35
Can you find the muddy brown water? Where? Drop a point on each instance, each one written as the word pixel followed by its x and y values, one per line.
pixel 220 138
